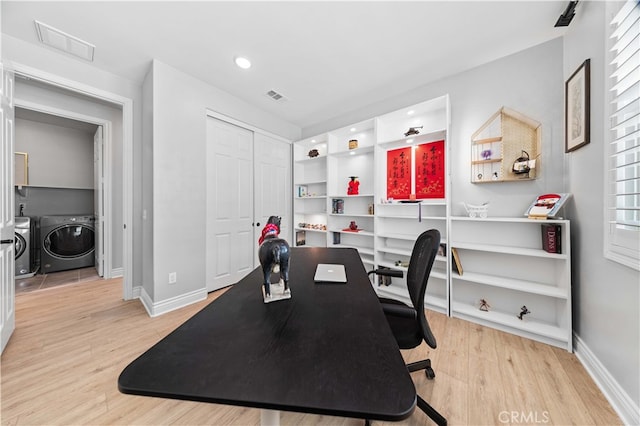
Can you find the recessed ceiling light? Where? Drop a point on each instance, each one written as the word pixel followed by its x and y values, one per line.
pixel 243 63
pixel 410 112
pixel 353 129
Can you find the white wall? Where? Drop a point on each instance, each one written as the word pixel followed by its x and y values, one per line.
pixel 529 82
pixel 179 170
pixel 58 156
pixel 606 294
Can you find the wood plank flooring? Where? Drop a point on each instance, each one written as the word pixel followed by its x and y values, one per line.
pixel 71 343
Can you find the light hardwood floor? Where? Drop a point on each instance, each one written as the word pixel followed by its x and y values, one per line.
pixel 71 343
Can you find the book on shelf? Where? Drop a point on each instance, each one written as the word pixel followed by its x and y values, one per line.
pixel 551 238
pixel 302 191
pixel 456 265
pixel 337 206
pixel 547 206
pixel 301 238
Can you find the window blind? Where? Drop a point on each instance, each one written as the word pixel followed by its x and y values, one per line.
pixel 624 136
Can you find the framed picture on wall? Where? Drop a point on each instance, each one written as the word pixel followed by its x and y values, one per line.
pixel 21 168
pixel 576 108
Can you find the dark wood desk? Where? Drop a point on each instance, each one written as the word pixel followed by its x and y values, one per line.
pixel 327 350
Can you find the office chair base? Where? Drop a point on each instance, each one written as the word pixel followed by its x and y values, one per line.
pixel 431 412
pixel 422 365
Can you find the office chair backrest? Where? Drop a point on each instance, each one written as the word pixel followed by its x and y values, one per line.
pixel 422 257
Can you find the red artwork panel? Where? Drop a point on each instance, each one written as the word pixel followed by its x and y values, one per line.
pixel 430 170
pixel 399 173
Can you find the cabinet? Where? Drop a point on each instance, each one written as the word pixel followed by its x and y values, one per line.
pixel 504 264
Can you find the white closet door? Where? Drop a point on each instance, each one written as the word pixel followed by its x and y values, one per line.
pixel 7 222
pixel 230 245
pixel 272 184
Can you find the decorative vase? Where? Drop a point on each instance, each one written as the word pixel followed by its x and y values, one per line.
pixel 353 225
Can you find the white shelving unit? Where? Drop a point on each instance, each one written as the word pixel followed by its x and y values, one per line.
pixel 503 263
pixel 310 191
pixel 502 258
pixel 399 224
pixel 397 227
pixel 388 235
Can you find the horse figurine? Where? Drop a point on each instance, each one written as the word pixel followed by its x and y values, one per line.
pixel 274 255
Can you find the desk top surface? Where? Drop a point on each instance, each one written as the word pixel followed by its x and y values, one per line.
pixel 327 350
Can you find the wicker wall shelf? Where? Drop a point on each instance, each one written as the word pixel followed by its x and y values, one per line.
pixel 507 137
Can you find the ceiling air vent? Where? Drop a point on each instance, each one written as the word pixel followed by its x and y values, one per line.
pixel 65 42
pixel 276 96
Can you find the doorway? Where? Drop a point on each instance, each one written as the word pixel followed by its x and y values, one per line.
pixel 65 182
pixel 118 161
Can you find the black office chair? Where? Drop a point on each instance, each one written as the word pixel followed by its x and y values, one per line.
pixel 409 324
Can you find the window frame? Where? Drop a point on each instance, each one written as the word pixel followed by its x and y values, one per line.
pixel 620 245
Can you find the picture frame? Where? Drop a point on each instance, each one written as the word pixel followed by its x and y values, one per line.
pixel 21 169
pixel 577 108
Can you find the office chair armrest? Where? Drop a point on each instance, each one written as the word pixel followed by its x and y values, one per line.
pixel 387 272
pixel 401 311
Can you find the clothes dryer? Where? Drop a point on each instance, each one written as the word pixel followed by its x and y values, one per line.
pixel 23 245
pixel 67 242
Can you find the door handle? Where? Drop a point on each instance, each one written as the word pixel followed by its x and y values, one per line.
pixel 7 241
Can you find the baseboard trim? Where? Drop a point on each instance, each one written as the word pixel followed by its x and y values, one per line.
pixel 117 272
pixel 168 305
pixel 623 405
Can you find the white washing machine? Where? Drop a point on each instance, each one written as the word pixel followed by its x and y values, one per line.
pixel 24 227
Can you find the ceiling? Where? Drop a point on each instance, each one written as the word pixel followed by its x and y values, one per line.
pixel 327 58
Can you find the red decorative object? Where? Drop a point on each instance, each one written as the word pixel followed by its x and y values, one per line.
pixel 354 186
pixel 430 170
pixel 399 173
pixel 353 226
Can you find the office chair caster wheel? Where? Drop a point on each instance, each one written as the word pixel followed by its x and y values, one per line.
pixel 430 373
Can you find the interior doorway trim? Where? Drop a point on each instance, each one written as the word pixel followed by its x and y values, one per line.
pixel 106 192
pixel 127 155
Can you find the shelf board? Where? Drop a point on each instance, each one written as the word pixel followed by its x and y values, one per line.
pixel 310 160
pixel 493 160
pixel 513 284
pixel 311 197
pixel 507 220
pixel 528 325
pixel 311 182
pixel 361 249
pixel 400 216
pixel 310 230
pixel 351 215
pixel 345 196
pixel 363 233
pixel 419 139
pixel 404 237
pixel 488 140
pixel 508 250
pixel 425 202
pixel 360 150
pixel 394 250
